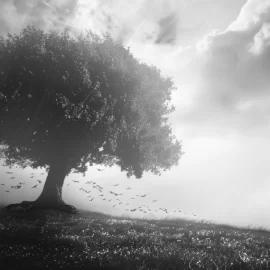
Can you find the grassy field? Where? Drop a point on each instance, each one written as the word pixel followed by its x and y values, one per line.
pixel 53 240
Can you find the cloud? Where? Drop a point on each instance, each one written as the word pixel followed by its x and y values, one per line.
pixel 44 14
pixel 162 21
pixel 231 74
pixel 168 29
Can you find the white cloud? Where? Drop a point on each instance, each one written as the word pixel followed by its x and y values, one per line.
pixel 231 74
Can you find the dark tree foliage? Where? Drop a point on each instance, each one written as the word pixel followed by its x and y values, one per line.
pixel 67 102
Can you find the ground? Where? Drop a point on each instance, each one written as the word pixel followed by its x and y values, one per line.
pixel 48 239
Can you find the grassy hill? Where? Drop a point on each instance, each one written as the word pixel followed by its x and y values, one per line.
pixel 53 240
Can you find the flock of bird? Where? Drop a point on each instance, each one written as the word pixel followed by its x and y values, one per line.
pixel 19 185
pixel 112 196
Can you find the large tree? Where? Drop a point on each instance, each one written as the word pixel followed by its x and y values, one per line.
pixel 67 103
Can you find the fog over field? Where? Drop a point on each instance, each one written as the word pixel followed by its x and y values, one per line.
pixel 218 54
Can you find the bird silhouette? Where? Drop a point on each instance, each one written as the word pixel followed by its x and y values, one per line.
pixel 39 181
pixel 16 187
pixel 128 188
pixel 100 170
pixel 7 190
pixel 75 181
pixel 116 185
pixel 21 183
pixel 34 186
pixel 12 177
pixel 32 177
pixel 2 184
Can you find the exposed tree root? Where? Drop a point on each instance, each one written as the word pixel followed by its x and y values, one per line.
pixel 36 205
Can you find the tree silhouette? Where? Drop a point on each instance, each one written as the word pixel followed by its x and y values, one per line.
pixel 68 103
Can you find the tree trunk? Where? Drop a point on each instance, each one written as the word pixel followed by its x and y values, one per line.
pixel 51 195
pixel 52 190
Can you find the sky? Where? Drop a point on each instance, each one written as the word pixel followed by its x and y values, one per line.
pixel 217 52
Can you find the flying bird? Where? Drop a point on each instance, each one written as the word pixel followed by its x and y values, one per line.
pixel 116 185
pixel 32 177
pixel 75 181
pixel 39 181
pixel 21 183
pixel 2 184
pixel 34 186
pixel 7 190
pixel 12 177
pixel 17 187
pixel 128 188
pixel 100 170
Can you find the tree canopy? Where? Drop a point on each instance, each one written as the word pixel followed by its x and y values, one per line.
pixel 84 100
